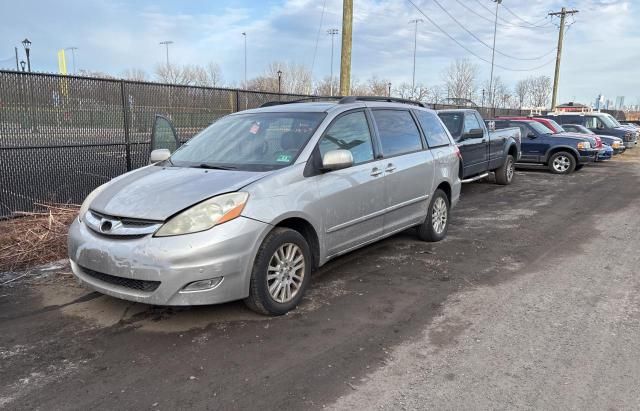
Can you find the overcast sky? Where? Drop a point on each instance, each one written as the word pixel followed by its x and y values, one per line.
pixel 601 51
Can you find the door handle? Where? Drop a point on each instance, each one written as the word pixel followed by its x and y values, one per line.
pixel 375 172
pixel 390 168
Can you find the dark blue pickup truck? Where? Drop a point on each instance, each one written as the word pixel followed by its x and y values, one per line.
pixel 562 155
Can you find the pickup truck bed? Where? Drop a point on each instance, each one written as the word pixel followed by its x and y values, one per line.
pixel 483 151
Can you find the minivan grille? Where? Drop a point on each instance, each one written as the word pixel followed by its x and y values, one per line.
pixel 141 285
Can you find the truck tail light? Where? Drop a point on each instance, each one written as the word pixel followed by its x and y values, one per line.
pixel 458 153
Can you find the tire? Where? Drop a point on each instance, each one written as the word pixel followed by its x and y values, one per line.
pixel 286 246
pixel 430 230
pixel 504 174
pixel 562 162
pixel 579 167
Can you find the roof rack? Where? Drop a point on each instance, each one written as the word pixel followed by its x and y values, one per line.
pixel 346 100
pixel 300 100
pixel 353 99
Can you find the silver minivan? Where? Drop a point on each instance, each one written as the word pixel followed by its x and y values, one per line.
pixel 250 206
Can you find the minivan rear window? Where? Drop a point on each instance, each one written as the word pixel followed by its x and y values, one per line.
pixel 433 130
pixel 398 132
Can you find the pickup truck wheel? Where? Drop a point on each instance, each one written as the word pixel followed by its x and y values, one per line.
pixel 562 163
pixel 504 174
pixel 281 273
pixel 436 224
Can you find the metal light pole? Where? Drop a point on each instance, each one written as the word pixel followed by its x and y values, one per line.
pixel 279 83
pixel 415 46
pixel 482 97
pixel 332 33
pixel 389 86
pixel 493 54
pixel 166 45
pixel 27 47
pixel 73 57
pixel 245 58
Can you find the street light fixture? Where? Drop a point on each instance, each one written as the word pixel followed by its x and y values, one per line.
pixel 279 82
pixel 27 47
pixel 22 64
pixel 166 45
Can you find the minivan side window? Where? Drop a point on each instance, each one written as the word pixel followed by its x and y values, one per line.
pixel 433 130
pixel 349 132
pixel 398 132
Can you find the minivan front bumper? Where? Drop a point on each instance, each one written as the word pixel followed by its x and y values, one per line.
pixel 155 270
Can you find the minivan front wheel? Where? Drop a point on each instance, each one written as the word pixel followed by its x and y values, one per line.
pixel 436 224
pixel 280 273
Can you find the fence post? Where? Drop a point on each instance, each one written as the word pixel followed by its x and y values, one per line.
pixel 126 125
pixel 237 100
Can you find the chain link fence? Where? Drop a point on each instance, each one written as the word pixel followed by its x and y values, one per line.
pixel 62 136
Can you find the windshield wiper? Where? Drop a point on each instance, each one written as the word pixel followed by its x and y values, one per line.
pixel 215 167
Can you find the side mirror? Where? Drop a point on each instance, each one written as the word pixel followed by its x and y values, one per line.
pixel 531 135
pixel 473 133
pixel 337 160
pixel 158 155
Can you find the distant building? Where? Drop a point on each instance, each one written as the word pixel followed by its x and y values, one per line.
pixel 599 102
pixel 619 103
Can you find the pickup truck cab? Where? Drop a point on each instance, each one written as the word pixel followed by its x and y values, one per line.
pixel 482 150
pixel 562 155
pixel 599 123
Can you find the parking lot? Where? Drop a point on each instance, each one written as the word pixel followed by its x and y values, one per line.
pixel 531 302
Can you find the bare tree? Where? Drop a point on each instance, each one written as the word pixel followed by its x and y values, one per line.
pixel 460 79
pixel 295 79
pixel 499 95
pixel 420 92
pixel 214 74
pixel 134 74
pixel 174 74
pixel 523 91
pixel 377 86
pixel 540 91
pixel 96 74
pixel 437 94
pixel 323 87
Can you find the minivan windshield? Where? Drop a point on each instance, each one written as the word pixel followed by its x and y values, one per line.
pixel 250 142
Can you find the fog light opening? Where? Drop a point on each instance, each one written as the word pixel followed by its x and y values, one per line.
pixel 202 285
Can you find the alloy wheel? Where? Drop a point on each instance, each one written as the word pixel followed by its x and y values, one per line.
pixel 561 164
pixel 285 272
pixel 439 215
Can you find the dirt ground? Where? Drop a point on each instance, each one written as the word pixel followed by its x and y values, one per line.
pixel 531 302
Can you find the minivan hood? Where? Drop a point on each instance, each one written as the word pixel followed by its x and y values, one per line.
pixel 156 193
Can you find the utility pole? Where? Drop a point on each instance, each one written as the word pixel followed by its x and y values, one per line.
pixel 556 78
pixel 415 45
pixel 332 33
pixel 73 57
pixel 493 54
pixel 166 44
pixel 345 57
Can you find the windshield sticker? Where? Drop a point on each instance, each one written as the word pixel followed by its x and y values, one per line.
pixel 255 127
pixel 284 158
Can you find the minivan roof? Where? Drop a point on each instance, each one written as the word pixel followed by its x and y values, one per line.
pixel 327 106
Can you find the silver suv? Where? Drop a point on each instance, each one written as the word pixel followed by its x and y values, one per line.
pixel 249 207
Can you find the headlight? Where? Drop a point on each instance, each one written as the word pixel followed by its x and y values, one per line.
pixel 615 144
pixel 87 201
pixel 584 145
pixel 205 215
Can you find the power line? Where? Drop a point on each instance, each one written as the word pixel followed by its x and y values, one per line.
pixel 499 23
pixel 488 45
pixel 315 50
pixel 521 19
pixel 469 50
pixel 532 26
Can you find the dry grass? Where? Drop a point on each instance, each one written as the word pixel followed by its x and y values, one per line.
pixel 34 238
